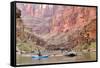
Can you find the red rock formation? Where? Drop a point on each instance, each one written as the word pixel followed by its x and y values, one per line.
pixel 72 17
pixel 61 20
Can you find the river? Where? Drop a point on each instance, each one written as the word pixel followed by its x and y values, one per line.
pixel 88 56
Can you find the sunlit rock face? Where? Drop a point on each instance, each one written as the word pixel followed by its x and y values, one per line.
pixel 60 18
pixel 73 17
pixel 59 23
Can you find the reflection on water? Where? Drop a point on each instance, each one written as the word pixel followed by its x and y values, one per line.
pixel 90 56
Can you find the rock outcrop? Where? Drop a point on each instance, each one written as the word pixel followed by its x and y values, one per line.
pixel 60 26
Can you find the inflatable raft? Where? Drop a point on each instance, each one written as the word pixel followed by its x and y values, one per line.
pixel 39 57
pixel 71 54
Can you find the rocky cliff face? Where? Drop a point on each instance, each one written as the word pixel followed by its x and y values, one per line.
pixel 63 24
pixel 72 17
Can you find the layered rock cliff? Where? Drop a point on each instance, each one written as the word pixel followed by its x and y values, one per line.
pixel 63 26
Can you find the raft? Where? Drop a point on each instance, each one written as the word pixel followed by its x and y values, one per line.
pixel 71 54
pixel 39 57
